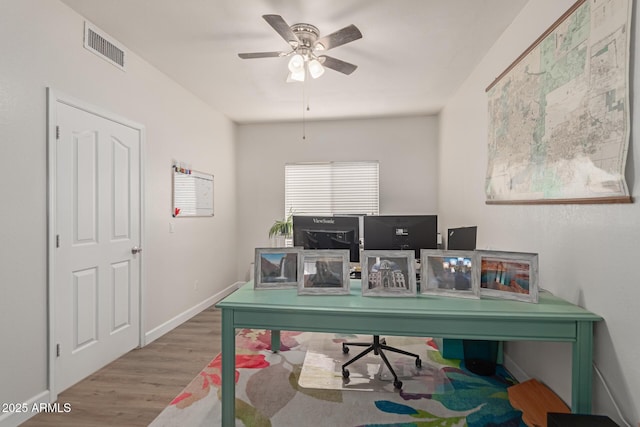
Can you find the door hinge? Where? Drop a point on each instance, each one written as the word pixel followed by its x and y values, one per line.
pixel 57 350
pixel 57 132
pixel 57 240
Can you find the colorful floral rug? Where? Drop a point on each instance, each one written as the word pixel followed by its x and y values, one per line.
pixel 268 393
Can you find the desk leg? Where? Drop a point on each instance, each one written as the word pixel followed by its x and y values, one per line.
pixel 228 369
pixel 275 341
pixel 582 371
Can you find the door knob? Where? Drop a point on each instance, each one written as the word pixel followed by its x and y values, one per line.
pixel 135 250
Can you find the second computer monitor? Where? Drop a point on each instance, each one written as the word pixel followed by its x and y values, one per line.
pixel 401 232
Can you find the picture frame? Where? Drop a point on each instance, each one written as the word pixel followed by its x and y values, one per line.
pixel 276 268
pixel 449 273
pixel 324 272
pixel 388 273
pixel 508 275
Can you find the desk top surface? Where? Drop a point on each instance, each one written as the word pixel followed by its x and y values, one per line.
pixel 287 300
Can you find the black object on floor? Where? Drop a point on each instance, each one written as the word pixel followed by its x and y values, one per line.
pixel 555 419
pixel 480 356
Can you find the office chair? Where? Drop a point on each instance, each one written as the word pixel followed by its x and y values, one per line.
pixel 376 346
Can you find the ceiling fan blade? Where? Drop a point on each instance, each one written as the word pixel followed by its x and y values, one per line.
pixel 253 55
pixel 338 38
pixel 278 23
pixel 337 64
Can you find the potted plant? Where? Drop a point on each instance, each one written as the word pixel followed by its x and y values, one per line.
pixel 281 230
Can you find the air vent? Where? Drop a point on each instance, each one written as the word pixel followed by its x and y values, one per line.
pixel 103 46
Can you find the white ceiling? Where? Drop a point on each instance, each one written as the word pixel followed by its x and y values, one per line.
pixel 413 55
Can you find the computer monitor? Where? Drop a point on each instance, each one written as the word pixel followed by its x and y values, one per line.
pixel 328 232
pixel 462 238
pixel 401 232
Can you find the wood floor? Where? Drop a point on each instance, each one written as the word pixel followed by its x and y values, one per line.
pixel 134 389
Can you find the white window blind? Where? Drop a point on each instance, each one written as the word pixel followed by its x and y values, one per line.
pixel 334 188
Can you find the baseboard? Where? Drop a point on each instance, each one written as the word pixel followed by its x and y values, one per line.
pixel 515 370
pixel 178 320
pixel 33 406
pixel 27 410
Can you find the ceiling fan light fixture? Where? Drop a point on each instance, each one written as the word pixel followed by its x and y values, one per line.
pixel 315 68
pixel 296 63
pixel 297 76
pixel 305 41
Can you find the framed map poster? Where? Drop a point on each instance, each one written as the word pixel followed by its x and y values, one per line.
pixel 559 115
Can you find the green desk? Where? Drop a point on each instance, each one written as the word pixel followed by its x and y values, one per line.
pixel 552 319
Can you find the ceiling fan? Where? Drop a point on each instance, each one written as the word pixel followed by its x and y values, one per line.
pixel 307 47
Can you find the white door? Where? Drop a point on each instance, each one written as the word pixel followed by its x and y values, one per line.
pixel 96 298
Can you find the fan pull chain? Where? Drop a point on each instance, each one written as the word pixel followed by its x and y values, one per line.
pixel 304 136
pixel 304 127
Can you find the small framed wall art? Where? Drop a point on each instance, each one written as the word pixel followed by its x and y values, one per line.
pixel 448 273
pixel 508 275
pixel 388 273
pixel 324 272
pixel 276 268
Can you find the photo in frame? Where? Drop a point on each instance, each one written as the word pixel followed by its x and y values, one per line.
pixel 508 275
pixel 448 273
pixel 324 272
pixel 388 273
pixel 276 268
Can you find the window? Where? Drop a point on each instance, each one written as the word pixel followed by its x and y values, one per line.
pixel 333 188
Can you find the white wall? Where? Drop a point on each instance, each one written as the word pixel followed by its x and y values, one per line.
pixel 405 147
pixel 588 253
pixel 41 46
